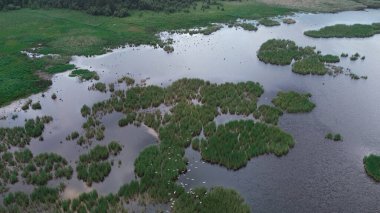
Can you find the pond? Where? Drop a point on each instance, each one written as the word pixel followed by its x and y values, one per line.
pixel 315 176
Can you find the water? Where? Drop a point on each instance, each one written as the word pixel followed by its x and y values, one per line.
pixel 315 176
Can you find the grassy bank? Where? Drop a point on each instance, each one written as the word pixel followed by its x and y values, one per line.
pixel 68 33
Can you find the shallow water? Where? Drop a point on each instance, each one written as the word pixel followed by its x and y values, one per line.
pixel 315 176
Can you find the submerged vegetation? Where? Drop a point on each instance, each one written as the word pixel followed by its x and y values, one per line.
pixel 345 31
pixel 234 143
pixel 269 22
pixel 216 200
pixel 94 167
pixel 372 166
pixel 84 75
pixel 334 137
pixel 293 102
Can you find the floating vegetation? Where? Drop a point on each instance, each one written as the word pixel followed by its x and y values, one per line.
pixel 60 68
pixel 53 96
pixel 293 102
pixel 269 22
pixel 205 30
pixel 100 87
pixel 85 111
pixel 329 58
pixel 344 55
pixel 355 57
pixel 246 26
pixel 215 199
pixel 26 105
pixel 168 49
pixel 236 142
pixel 288 21
pixel 84 75
pixel 268 114
pixel 372 166
pixel 36 106
pixel 94 167
pixel 345 31
pixel 74 135
pixel 282 52
pixel 309 65
pixel 128 80
pixel 334 137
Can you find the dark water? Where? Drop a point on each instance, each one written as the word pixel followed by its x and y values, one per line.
pixel 315 176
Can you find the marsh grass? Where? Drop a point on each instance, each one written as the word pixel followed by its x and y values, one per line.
pixel 372 166
pixel 84 75
pixel 60 68
pixel 269 22
pixel 293 102
pixel 309 65
pixel 345 31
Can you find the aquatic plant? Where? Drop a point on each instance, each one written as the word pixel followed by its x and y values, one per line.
pixel 26 105
pixel 344 55
pixel 288 21
pixel 334 137
pixel 216 199
pixel 247 26
pixel 293 102
pixel 168 49
pixel 329 58
pixel 345 31
pixel 128 80
pixel 84 75
pixel 53 96
pixel 100 87
pixel 36 106
pixel 309 65
pixel 236 142
pixel 269 22
pixel 268 114
pixel 85 111
pixel 59 68
pixel 372 166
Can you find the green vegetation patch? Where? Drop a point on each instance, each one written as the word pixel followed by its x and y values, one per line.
pixel 236 142
pixel 269 22
pixel 94 167
pixel 247 26
pixel 345 31
pixel 60 68
pixel 214 200
pixel 293 102
pixel 282 52
pixel 309 65
pixel 268 114
pixel 372 166
pixel 329 58
pixel 84 75
pixel 334 137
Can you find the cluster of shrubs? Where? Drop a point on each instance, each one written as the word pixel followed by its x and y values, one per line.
pixel 293 102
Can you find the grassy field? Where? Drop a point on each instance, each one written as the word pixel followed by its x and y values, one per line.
pixel 68 33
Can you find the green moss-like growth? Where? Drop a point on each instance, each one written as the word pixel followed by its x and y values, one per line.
pixel 334 137
pixel 214 200
pixel 329 58
pixel 282 52
pixel 60 68
pixel 94 167
pixel 236 142
pixel 84 75
pixel 247 26
pixel 309 65
pixel 293 102
pixel 269 22
pixel 36 106
pixel 268 114
pixel 100 87
pixel 372 166
pixel 345 31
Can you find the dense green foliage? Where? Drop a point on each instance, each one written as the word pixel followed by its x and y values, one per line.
pixel 329 58
pixel 345 31
pixel 60 68
pixel 21 136
pixel 100 86
pixel 214 200
pixel 269 22
pixel 94 167
pixel 293 102
pixel 334 137
pixel 268 114
pixel 309 65
pixel 234 143
pixel 84 74
pixel 372 166
pixel 282 52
